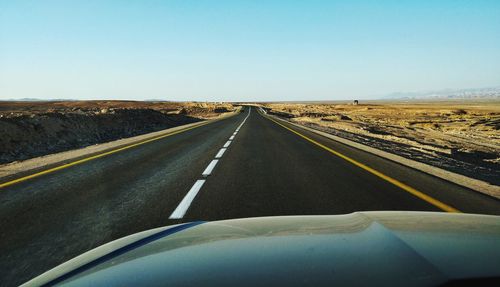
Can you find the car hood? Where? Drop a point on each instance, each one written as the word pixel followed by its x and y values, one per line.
pixel 358 249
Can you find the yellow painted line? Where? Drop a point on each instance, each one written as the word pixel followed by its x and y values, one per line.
pixel 8 183
pixel 377 173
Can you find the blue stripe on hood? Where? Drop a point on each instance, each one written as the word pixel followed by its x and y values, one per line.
pixel 122 250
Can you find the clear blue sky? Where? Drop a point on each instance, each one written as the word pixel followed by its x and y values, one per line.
pixel 245 50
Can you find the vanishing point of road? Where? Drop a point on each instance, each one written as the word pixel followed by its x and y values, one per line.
pixel 246 165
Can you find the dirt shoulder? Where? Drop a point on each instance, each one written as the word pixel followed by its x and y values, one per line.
pixel 33 129
pixel 461 137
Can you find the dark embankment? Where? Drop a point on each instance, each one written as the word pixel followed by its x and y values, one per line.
pixel 29 136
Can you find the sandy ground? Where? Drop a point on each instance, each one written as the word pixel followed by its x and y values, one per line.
pixel 462 137
pixel 10 109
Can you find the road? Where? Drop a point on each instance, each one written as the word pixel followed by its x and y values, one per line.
pixel 268 168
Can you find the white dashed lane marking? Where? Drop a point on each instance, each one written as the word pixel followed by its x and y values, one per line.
pixel 210 167
pixel 186 201
pixel 183 206
pixel 220 153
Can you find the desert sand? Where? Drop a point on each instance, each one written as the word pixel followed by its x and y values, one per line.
pixel 460 136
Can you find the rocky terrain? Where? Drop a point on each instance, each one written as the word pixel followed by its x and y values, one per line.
pixel 463 137
pixel 31 129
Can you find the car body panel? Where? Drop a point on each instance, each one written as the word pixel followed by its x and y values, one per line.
pixel 375 248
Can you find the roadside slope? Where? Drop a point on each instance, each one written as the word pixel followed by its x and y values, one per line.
pixel 51 218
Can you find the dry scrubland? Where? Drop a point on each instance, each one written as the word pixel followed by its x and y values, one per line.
pixel 460 136
pixel 11 109
pixel 31 129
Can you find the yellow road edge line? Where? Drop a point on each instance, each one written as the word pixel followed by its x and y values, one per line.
pixel 409 189
pixel 21 179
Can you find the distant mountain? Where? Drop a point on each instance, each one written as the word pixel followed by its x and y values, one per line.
pixel 479 93
pixel 156 100
pixel 22 100
pixel 36 100
pixel 70 100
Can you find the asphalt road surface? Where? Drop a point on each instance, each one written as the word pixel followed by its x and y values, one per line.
pixel 266 168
